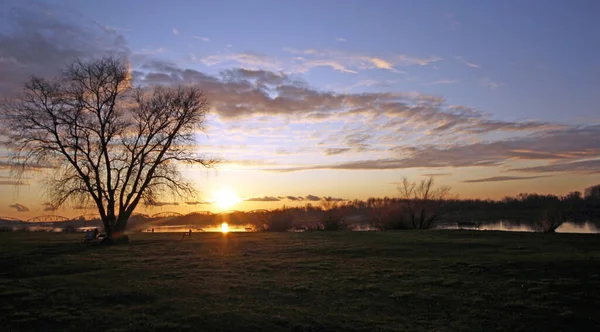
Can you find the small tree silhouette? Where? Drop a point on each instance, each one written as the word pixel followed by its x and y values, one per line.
pixel 423 201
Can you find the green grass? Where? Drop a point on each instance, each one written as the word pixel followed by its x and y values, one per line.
pixel 338 281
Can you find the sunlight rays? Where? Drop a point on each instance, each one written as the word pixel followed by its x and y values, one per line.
pixel 225 199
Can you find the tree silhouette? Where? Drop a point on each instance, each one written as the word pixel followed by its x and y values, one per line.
pixel 423 201
pixel 106 142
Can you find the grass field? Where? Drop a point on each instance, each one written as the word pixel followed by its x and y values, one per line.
pixel 317 281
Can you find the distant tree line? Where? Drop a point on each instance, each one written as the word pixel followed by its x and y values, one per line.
pixel 421 205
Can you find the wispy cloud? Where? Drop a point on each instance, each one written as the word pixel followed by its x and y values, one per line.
pixel 435 174
pixel 591 166
pixel 464 61
pixel 341 40
pixel 262 199
pixel 149 51
pixel 443 81
pixel 381 64
pixel 175 31
pixel 334 151
pixel 490 84
pixel 12 182
pixel 567 147
pixel 206 39
pixel 309 198
pixel 418 61
pixel 312 198
pixel 159 203
pixel 49 207
pixel 198 202
pixel 19 207
pixel 245 60
pixel 307 58
pixel 504 178
pixel 373 122
pixel 335 65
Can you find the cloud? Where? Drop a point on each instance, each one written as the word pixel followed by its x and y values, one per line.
pixel 40 39
pixel 205 39
pixel 357 122
pixel 84 207
pixel 443 81
pixel 49 207
pixel 335 65
pixel 464 61
pixel 250 92
pixel 334 151
pixel 175 31
pixel 19 207
pixel 341 40
pixel 312 198
pixel 490 84
pixel 11 182
pixel 161 203
pixel 566 145
pixel 267 90
pixel 262 199
pixel 582 166
pixel 435 174
pixel 333 199
pixel 381 64
pixel 504 178
pixel 7 164
pixel 418 61
pixel 351 62
pixel 149 52
pixel 198 202
pixel 249 60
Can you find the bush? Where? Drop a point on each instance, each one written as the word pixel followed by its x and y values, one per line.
pixel 549 220
pixel 334 224
pixel 278 221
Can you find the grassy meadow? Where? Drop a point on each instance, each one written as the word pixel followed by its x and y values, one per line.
pixel 312 281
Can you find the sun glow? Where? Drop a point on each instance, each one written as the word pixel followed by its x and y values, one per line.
pixel 225 199
pixel 224 227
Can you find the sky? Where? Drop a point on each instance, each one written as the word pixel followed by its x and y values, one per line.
pixel 341 99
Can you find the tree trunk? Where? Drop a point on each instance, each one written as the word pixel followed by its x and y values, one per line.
pixel 115 232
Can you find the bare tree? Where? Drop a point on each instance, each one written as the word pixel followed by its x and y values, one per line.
pixel 329 204
pixel 108 144
pixel 333 220
pixel 549 219
pixel 422 201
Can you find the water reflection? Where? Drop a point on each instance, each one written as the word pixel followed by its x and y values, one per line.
pixel 195 228
pixel 588 227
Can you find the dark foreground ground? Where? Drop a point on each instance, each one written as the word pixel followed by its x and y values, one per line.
pixel 339 281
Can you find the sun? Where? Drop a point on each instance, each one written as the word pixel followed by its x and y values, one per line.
pixel 224 228
pixel 225 199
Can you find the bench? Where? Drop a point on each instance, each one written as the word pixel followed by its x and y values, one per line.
pixel 89 240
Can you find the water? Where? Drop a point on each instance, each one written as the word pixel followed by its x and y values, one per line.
pixel 508 226
pixel 195 228
pixel 501 225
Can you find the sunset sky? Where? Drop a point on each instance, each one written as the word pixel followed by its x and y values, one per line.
pixel 342 98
